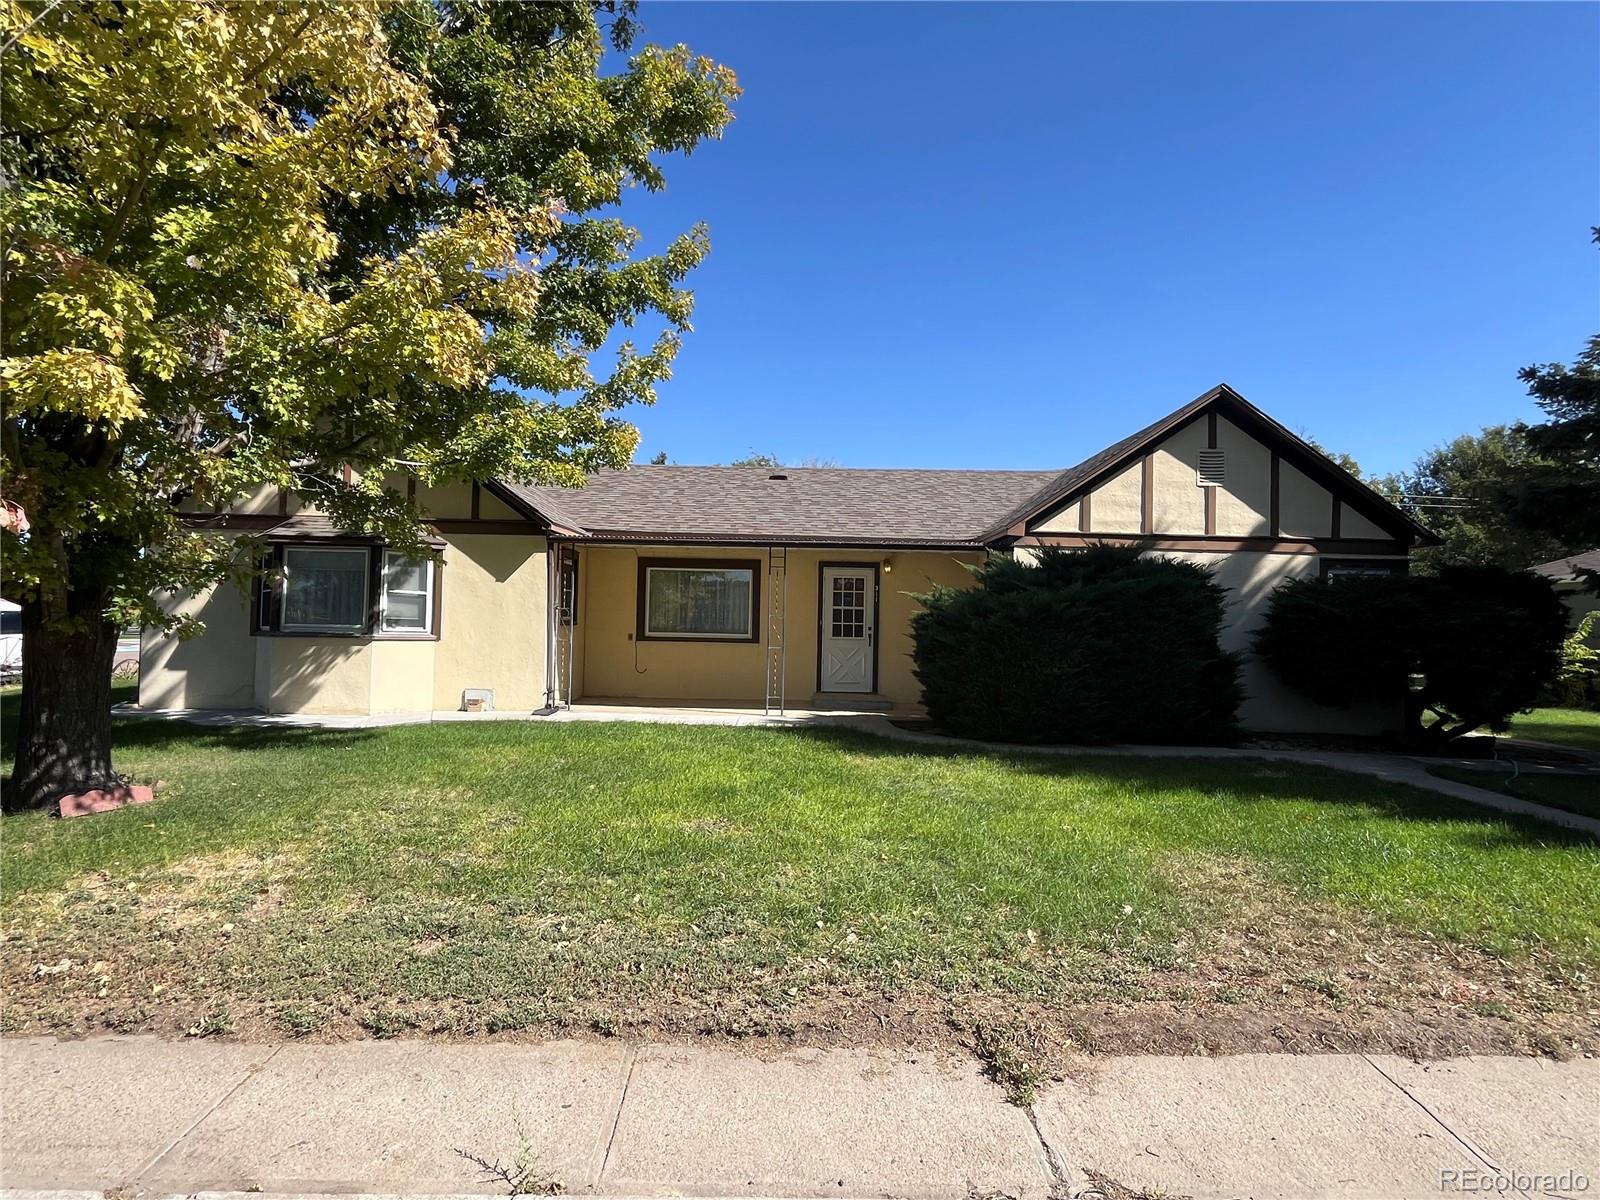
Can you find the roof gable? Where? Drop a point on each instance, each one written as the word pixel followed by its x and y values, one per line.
pixel 1071 484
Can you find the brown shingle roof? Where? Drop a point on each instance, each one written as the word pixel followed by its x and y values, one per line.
pixel 817 505
pixel 834 506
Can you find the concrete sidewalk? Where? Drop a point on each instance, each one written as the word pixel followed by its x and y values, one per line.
pixel 617 1119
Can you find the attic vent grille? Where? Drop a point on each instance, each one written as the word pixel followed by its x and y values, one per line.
pixel 1212 470
pixel 777 477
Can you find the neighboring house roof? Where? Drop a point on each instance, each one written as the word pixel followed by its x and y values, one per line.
pixel 820 505
pixel 1563 569
pixel 844 506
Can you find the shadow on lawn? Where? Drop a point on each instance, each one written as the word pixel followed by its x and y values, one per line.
pixel 1267 780
pixel 158 733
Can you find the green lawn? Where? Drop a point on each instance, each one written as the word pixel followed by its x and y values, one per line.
pixel 1566 726
pixel 1574 793
pixel 489 876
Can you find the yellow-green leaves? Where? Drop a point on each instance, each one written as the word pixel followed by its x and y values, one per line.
pixel 252 241
pixel 78 383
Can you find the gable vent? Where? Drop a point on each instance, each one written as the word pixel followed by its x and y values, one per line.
pixel 1212 470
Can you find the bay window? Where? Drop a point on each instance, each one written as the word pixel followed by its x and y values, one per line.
pixel 325 589
pixel 346 591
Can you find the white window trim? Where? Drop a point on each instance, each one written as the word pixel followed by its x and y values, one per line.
pixel 429 584
pixel 283 599
pixel 750 614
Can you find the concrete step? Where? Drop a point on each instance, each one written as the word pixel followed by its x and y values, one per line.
pixel 851 702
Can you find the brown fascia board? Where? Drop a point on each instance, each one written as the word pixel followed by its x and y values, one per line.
pixel 1090 473
pixel 658 538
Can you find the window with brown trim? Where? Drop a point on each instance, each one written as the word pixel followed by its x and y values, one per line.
pixel 699 600
pixel 345 590
pixel 1346 568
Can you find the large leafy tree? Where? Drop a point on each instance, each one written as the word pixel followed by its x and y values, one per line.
pixel 255 243
pixel 1458 490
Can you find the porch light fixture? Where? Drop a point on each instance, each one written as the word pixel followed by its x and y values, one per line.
pixel 888 565
pixel 1416 681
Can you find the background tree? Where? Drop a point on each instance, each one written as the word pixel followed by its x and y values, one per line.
pixel 756 460
pixel 1341 458
pixel 1559 496
pixel 1457 490
pixel 252 243
pixel 772 460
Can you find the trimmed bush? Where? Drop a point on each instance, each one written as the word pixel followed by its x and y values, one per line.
pixel 1107 644
pixel 1487 642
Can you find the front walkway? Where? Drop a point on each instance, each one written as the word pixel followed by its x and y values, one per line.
pixel 617 1119
pixel 1391 768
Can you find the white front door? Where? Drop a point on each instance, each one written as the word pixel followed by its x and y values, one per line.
pixel 849 620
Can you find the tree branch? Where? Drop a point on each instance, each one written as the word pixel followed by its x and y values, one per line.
pixel 130 198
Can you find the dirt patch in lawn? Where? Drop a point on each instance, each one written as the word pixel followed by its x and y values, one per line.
pixel 1263 970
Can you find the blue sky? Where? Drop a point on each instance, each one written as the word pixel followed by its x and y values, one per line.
pixel 1007 235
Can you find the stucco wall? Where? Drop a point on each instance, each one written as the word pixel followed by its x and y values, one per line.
pixel 402 676
pixel 1116 506
pixel 492 635
pixel 1269 706
pixel 493 627
pixel 616 665
pixel 1305 508
pixel 1177 505
pixel 1244 506
pixel 214 670
pixel 317 675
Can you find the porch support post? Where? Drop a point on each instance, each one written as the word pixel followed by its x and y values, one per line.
pixel 552 597
pixel 775 656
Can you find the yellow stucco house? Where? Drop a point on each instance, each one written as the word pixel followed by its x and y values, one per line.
pixel 720 586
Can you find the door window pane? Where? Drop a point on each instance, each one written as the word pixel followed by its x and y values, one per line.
pixel 848 613
pixel 325 589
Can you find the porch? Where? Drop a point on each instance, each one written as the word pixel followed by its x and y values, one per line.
pixel 740 631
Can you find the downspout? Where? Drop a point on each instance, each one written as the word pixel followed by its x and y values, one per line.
pixel 572 629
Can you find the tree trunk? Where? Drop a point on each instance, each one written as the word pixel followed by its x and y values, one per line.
pixel 64 725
